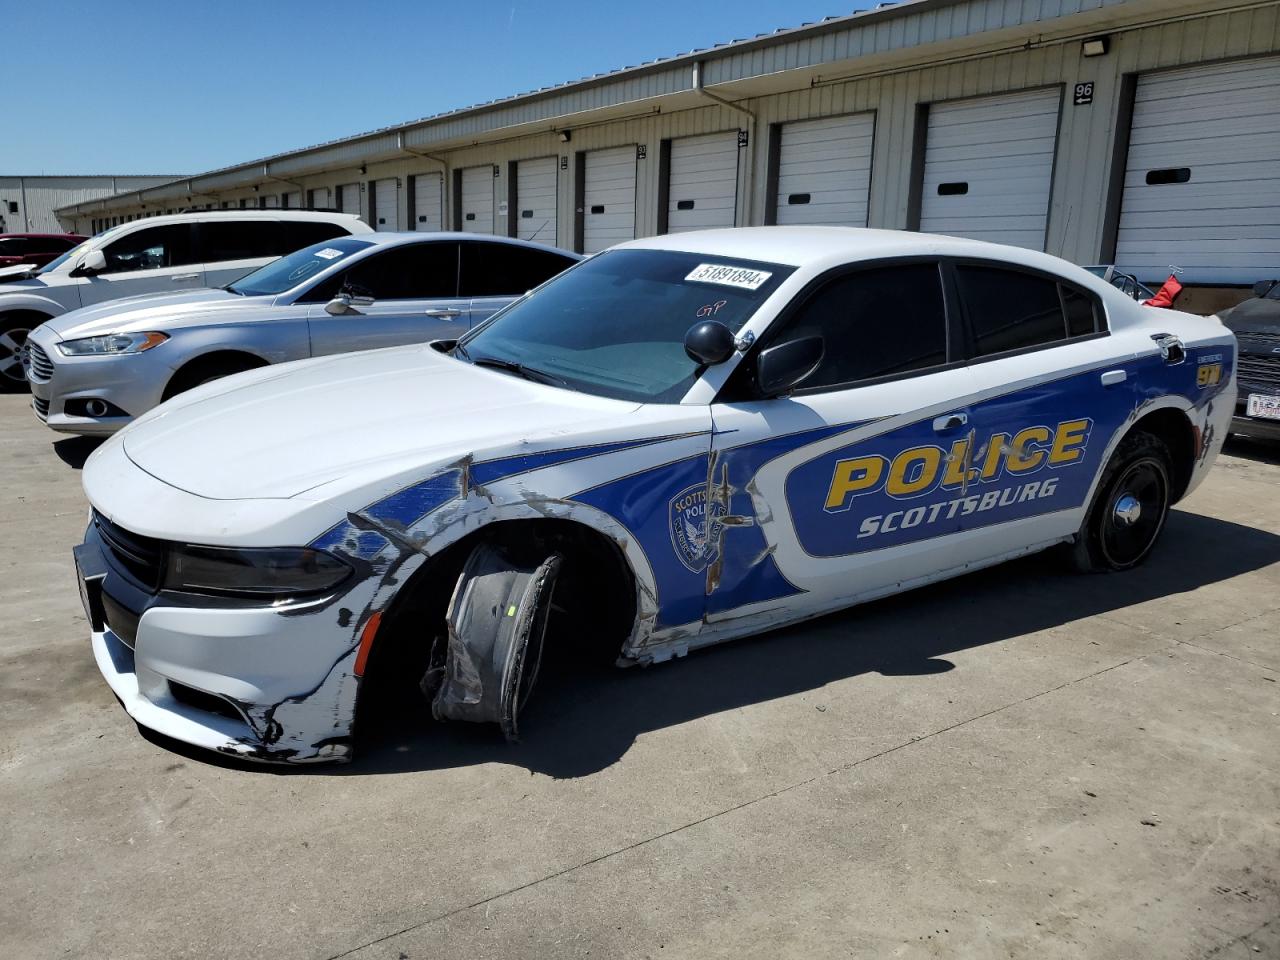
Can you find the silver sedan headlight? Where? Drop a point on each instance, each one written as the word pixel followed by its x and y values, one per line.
pixel 112 343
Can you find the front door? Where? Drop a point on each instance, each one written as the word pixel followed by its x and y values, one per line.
pixel 158 259
pixel 414 290
pixel 851 486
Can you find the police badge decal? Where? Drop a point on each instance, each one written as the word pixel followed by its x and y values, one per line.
pixel 695 527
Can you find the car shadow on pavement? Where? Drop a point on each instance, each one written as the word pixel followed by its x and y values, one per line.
pixel 582 720
pixel 74 451
pixel 1262 451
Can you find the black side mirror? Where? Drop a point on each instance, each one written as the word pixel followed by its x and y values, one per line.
pixel 1263 287
pixel 781 367
pixel 709 342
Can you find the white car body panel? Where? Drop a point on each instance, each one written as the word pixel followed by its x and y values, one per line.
pixel 388 457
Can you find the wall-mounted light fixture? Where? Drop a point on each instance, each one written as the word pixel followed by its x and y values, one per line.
pixel 256 188
pixel 363 169
pixel 1095 47
pixel 566 136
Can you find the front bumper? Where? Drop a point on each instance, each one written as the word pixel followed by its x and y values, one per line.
pixel 263 683
pixel 1257 427
pixel 132 383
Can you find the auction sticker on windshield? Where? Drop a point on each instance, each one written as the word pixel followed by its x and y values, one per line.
pixel 727 276
pixel 328 253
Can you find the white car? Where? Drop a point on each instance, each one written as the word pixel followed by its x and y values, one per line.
pixel 171 253
pixel 683 440
pixel 93 370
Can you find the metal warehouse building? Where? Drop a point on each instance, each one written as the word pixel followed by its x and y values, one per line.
pixel 29 204
pixel 1141 132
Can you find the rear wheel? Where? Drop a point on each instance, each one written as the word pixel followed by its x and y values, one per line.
pixel 1129 508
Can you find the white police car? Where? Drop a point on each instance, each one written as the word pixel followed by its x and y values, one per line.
pixel 680 441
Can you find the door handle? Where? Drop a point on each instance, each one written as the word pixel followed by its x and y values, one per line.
pixel 444 313
pixel 1112 377
pixel 950 421
pixel 185 276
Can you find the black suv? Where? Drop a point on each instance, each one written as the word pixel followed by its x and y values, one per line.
pixel 1256 324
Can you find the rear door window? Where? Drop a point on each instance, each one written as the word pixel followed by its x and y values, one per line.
pixel 507 269
pixel 254 239
pixel 1009 310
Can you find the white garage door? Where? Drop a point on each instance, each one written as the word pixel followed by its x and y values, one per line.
pixel 320 198
pixel 386 200
pixel 477 199
pixel 824 170
pixel 428 202
pixel 609 198
pixel 1202 182
pixel 292 199
pixel 350 196
pixel 988 168
pixel 272 201
pixel 536 200
pixel 703 184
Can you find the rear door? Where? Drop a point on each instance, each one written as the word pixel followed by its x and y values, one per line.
pixel 495 273
pixel 1052 389
pixel 414 287
pixel 150 260
pixel 842 488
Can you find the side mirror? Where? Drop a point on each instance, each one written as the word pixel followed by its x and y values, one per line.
pixel 781 367
pixel 95 261
pixel 709 342
pixel 343 303
pixel 1263 287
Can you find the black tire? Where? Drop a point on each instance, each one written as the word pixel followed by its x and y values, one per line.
pixel 14 328
pixel 207 369
pixel 1130 507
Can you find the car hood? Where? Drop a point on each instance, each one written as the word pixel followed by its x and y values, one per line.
pixel 349 420
pixel 1253 316
pixel 19 279
pixel 154 311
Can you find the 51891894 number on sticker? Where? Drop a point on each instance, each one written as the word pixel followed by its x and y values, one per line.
pixel 608 460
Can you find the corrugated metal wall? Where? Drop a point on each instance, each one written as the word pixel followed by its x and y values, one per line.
pixel 1083 175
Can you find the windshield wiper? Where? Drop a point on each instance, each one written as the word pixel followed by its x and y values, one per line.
pixel 519 369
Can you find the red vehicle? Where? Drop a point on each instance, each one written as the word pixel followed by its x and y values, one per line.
pixel 35 249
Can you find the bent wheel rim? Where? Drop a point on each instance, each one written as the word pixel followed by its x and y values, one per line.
pixel 1136 507
pixel 13 345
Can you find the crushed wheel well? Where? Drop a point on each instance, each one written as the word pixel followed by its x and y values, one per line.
pixel 593 609
pixel 1182 439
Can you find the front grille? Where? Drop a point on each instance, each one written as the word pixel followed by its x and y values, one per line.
pixel 1266 339
pixel 1259 368
pixel 41 407
pixel 39 366
pixel 142 557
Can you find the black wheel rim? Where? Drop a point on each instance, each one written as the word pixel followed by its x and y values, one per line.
pixel 1136 507
pixel 13 346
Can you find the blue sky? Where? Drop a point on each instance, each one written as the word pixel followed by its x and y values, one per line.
pixel 141 86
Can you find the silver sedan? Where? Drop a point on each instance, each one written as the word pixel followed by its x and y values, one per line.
pixel 93 370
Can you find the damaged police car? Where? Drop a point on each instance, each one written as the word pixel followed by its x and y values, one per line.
pixel 680 441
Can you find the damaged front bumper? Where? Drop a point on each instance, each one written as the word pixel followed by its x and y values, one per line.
pixel 260 683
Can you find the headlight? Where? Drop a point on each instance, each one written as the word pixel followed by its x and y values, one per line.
pixel 260 573
pixel 112 343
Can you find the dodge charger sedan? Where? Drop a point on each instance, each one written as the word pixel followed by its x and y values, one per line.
pixel 93 370
pixel 679 441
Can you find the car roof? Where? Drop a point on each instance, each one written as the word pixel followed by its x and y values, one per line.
pixel 824 246
pixel 244 213
pixel 384 238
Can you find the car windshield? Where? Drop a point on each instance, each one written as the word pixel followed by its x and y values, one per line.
pixel 75 251
pixel 614 325
pixel 287 272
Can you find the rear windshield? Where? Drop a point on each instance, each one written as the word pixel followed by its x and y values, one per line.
pixel 614 325
pixel 287 272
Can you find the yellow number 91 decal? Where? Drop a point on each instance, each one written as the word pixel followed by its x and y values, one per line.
pixel 1208 374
